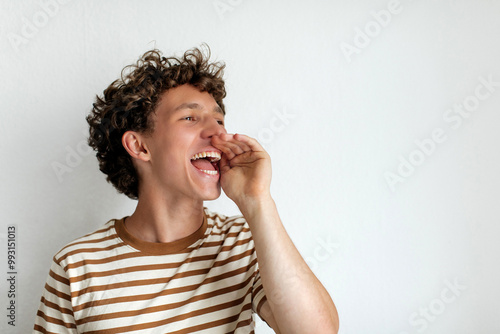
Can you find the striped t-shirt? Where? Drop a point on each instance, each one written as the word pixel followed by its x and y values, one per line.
pixel 111 282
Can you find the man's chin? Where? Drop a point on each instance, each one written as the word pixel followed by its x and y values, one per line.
pixel 213 196
pixel 210 193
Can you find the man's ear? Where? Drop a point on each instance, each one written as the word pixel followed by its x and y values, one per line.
pixel 135 145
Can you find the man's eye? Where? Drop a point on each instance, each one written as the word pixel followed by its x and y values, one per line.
pixel 191 117
pixel 221 122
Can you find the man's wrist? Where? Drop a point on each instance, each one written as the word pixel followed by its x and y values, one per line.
pixel 253 206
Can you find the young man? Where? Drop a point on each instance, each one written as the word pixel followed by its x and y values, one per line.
pixel 174 266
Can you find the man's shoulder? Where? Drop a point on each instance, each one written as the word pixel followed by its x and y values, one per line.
pixel 222 219
pixel 89 241
pixel 222 223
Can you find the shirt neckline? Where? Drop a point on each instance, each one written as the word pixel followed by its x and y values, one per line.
pixel 160 248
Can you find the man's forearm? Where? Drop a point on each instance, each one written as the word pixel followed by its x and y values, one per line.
pixel 299 302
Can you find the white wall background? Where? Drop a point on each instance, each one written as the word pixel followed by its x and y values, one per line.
pixel 360 93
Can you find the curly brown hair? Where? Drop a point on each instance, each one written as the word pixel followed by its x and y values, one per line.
pixel 128 103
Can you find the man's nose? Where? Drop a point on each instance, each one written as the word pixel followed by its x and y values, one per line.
pixel 213 128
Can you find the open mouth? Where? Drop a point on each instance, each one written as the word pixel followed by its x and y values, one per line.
pixel 207 162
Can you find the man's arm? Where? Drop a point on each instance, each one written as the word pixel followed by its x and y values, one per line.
pixel 55 313
pixel 298 302
pixel 267 314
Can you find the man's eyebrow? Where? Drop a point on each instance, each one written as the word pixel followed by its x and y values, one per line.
pixel 218 109
pixel 194 105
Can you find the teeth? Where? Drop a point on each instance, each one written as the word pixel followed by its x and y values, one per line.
pixel 210 172
pixel 214 156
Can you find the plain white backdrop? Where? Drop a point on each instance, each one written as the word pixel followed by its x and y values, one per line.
pixel 380 117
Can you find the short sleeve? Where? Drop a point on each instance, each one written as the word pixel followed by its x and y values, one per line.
pixel 258 294
pixel 55 313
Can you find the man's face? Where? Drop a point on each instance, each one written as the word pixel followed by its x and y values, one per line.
pixel 185 121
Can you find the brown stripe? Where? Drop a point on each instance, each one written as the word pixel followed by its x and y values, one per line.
pixel 213 323
pixel 54 320
pixel 258 289
pixel 228 224
pixel 223 219
pixel 42 330
pixel 61 279
pixel 223 232
pixel 109 259
pixel 126 256
pixel 244 323
pixel 89 250
pixel 56 306
pixel 262 301
pixel 232 234
pixel 234 258
pixel 180 317
pixel 163 292
pixel 77 241
pixel 95 241
pixel 226 248
pixel 170 306
pixel 57 292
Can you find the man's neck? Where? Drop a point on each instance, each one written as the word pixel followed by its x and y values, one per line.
pixel 165 219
